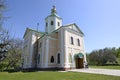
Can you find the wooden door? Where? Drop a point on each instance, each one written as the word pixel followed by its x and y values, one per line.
pixel 79 63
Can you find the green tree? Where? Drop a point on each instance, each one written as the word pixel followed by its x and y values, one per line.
pixel 118 53
pixel 4 43
pixel 13 58
pixel 102 56
pixel 4 36
pixel 94 57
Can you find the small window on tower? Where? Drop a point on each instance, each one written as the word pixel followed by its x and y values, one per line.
pixel 46 24
pixel 58 23
pixel 51 22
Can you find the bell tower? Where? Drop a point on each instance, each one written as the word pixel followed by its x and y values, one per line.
pixel 53 21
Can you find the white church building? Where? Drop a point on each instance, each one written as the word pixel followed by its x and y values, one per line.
pixel 59 47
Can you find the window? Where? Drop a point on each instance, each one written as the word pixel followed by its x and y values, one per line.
pixel 46 24
pixel 58 23
pixel 51 22
pixel 52 59
pixel 38 58
pixel 58 57
pixel 72 40
pixel 78 41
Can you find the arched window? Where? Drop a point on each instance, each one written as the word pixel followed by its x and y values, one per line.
pixel 58 23
pixel 78 41
pixel 51 22
pixel 72 40
pixel 58 57
pixel 38 58
pixel 52 59
pixel 46 24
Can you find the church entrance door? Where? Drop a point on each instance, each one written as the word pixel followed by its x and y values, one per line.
pixel 79 58
pixel 79 63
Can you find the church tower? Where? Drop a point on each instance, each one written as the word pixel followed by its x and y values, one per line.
pixel 53 21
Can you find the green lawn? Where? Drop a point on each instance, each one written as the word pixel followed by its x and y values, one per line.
pixel 105 67
pixel 54 75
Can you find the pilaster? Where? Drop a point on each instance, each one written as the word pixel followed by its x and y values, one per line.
pixel 66 51
pixel 47 50
pixel 42 56
pixel 62 48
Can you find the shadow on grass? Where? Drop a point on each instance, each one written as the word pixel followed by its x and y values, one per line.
pixel 11 70
pixel 30 70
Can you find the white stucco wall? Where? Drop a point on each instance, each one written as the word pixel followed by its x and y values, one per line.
pixel 72 49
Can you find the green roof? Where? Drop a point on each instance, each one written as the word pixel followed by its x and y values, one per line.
pixel 28 29
pixel 53 15
pixel 45 33
pixel 79 55
pixel 36 31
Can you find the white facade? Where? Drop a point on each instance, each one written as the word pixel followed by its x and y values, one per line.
pixel 59 47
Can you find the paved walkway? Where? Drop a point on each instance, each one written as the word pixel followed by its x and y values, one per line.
pixel 98 71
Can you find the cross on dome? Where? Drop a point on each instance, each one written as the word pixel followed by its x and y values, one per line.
pixel 53 10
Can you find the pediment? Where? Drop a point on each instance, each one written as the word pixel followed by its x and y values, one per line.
pixel 74 27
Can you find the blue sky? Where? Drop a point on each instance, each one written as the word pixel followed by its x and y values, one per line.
pixel 98 19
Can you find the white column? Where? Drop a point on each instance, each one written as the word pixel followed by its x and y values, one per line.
pixel 66 51
pixel 84 50
pixel 66 57
pixel 31 50
pixel 47 50
pixel 73 59
pixel 42 56
pixel 62 48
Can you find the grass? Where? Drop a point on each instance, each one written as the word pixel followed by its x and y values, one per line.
pixel 106 67
pixel 54 75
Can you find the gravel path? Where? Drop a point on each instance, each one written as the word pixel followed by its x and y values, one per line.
pixel 98 71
